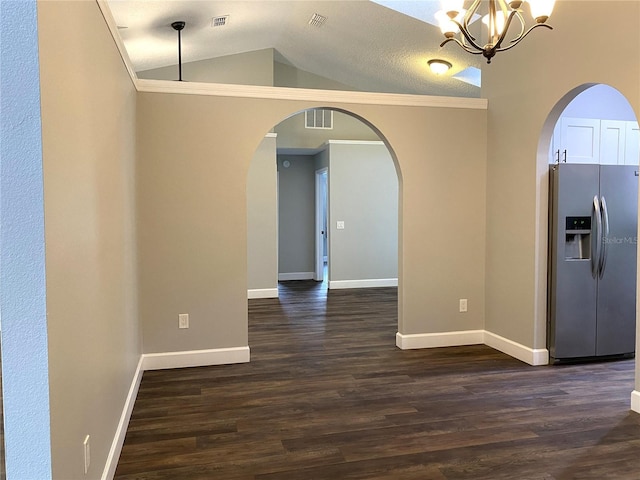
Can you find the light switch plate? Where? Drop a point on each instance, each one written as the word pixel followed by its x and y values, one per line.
pixel 340 224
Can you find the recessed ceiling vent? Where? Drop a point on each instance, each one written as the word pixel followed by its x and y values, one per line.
pixel 219 21
pixel 317 20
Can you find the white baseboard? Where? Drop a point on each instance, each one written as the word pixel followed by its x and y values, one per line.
pixel 444 339
pixel 368 283
pixel 539 356
pixel 159 361
pixel 535 357
pixel 635 401
pixel 283 277
pixel 195 358
pixel 262 293
pixel 121 431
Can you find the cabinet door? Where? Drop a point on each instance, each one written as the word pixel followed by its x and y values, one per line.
pixel 612 142
pixel 632 144
pixel 580 137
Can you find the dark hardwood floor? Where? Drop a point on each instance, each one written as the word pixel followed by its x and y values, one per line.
pixel 327 395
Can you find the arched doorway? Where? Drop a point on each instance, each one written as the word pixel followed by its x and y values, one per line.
pixel 590 134
pixel 293 225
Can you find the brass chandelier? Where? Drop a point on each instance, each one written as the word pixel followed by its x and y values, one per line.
pixel 453 19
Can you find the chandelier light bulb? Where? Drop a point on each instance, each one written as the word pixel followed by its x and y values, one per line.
pixel 447 26
pixel 541 10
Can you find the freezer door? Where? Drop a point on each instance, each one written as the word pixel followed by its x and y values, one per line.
pixel 571 328
pixel 616 317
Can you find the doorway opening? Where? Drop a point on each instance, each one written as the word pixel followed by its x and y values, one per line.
pixel 323 208
pixel 588 164
pixel 322 225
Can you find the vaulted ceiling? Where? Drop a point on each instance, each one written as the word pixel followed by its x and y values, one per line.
pixel 379 46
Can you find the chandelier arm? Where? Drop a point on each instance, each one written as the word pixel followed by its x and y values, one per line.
pixel 469 15
pixel 505 29
pixel 462 45
pixel 518 40
pixel 522 28
pixel 470 38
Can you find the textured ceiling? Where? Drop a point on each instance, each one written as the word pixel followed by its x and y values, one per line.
pixel 362 43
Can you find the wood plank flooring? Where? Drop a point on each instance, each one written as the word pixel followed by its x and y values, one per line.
pixel 327 395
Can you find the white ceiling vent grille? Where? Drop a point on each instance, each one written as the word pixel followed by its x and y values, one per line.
pixel 319 118
pixel 220 21
pixel 317 20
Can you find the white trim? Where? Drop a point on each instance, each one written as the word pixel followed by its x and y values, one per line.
pixel 195 358
pixel 296 276
pixel 262 293
pixel 311 95
pixel 535 357
pixel 538 356
pixel 635 401
pixel 443 339
pixel 113 28
pixel 271 135
pixel 118 440
pixel 353 142
pixel 366 283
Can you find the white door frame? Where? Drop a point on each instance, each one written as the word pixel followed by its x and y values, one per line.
pixel 319 254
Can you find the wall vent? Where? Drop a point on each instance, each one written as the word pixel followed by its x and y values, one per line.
pixel 220 21
pixel 317 20
pixel 319 118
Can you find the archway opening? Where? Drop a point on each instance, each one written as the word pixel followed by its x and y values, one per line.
pixel 588 168
pixel 323 196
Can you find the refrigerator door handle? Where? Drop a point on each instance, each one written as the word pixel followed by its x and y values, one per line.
pixel 596 237
pixel 604 236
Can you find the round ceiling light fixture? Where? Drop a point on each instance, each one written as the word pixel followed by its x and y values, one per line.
pixel 438 66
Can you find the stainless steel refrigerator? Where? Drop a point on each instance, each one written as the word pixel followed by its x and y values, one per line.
pixel 592 261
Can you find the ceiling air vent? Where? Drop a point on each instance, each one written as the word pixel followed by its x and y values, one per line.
pixel 319 118
pixel 219 21
pixel 317 20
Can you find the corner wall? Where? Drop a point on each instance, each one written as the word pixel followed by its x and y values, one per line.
pixel 25 369
pixel 88 134
pixel 522 86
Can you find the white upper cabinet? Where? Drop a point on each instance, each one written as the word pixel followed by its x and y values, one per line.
pixel 612 142
pixel 632 144
pixel 588 140
pixel 579 140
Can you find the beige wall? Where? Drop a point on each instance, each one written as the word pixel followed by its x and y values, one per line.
pixel 363 193
pixel 88 123
pixel 592 42
pixel 194 155
pixel 262 214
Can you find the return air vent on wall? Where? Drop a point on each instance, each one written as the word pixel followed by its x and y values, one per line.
pixel 317 20
pixel 319 118
pixel 220 21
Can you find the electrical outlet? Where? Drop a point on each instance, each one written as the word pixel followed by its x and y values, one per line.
pixel 340 224
pixel 183 320
pixel 463 305
pixel 87 453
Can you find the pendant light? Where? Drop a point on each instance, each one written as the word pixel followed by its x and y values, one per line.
pixel 178 26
